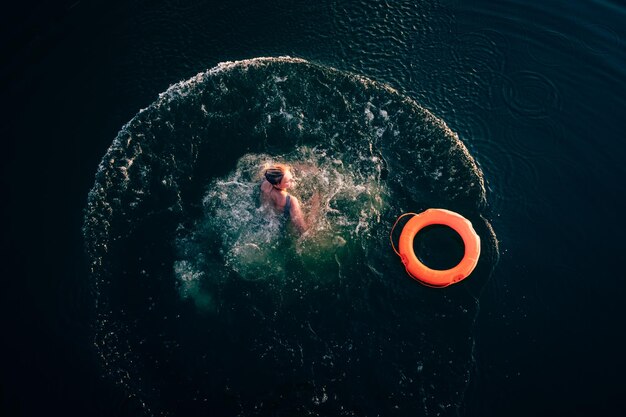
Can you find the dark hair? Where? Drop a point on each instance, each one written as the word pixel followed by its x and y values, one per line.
pixel 275 173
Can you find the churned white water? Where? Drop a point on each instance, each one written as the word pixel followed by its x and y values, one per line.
pixel 340 200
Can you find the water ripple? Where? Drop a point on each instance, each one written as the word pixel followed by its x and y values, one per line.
pixel 530 94
pixel 604 40
pixel 551 48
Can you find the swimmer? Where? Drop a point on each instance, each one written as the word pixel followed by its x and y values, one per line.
pixel 278 179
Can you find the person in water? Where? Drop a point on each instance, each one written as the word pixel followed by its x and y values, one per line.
pixel 274 193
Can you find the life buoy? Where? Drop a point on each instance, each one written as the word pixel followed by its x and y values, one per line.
pixel 434 277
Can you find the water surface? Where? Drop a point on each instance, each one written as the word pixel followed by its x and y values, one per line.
pixel 534 91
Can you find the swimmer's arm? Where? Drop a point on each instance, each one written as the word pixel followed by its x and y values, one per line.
pixel 315 206
pixel 296 215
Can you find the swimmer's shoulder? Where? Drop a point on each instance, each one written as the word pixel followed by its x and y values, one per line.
pixel 266 186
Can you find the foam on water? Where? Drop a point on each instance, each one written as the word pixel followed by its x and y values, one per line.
pixel 257 244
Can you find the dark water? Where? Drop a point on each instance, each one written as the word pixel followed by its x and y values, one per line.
pixel 128 288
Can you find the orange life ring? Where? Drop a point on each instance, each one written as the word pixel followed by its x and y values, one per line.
pixel 434 277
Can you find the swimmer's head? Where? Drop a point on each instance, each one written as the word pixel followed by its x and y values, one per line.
pixel 279 175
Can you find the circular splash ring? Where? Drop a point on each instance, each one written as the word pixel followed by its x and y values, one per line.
pixel 160 216
pixel 434 277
